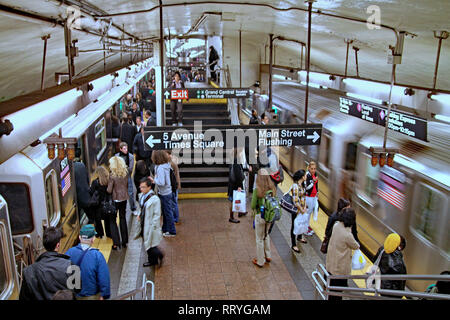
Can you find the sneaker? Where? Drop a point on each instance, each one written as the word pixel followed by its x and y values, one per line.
pixel 180 124
pixel 168 235
pixel 310 232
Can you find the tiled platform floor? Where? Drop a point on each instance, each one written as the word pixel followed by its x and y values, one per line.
pixel 211 258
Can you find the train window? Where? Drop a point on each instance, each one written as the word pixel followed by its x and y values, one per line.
pixel 17 195
pixel 427 210
pixel 369 177
pixel 52 200
pixel 324 156
pixel 100 138
pixel 350 156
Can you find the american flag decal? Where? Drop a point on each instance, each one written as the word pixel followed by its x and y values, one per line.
pixel 65 184
pixel 391 195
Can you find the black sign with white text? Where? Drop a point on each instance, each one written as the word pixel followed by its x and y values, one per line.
pixel 404 123
pixel 227 137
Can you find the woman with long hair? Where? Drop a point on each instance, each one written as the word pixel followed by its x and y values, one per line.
pixel 162 180
pixel 311 185
pixel 297 192
pixel 100 186
pixel 264 184
pixel 118 187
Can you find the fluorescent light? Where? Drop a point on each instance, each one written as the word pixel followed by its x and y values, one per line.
pixel 444 98
pixel 442 118
pixel 367 85
pixel 279 77
pixel 314 85
pixel 360 97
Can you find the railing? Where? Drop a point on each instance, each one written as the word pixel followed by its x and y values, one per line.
pixel 142 290
pixel 322 278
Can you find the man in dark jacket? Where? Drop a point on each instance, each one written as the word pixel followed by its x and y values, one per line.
pixel 139 150
pixel 95 279
pixel 126 131
pixel 49 273
pixel 235 182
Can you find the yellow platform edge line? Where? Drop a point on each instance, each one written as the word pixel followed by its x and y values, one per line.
pixel 213 84
pixel 202 195
pixel 201 101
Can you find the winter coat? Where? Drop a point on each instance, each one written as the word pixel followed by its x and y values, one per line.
pixel 47 275
pixel 392 263
pixel 253 120
pixel 162 179
pixel 94 272
pixel 82 184
pixel 339 256
pixel 331 221
pixel 138 147
pixel 127 133
pixel 151 215
pixel 236 172
pixel 175 169
pixel 118 187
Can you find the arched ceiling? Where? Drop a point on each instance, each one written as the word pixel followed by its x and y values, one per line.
pixel 22 47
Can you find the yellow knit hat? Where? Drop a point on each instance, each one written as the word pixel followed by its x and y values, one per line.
pixel 391 243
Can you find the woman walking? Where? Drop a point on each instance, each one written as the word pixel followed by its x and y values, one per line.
pixel 342 242
pixel 235 182
pixel 297 192
pixel 118 187
pixel 99 190
pixel 264 185
pixel 150 222
pixel 162 180
pixel 311 185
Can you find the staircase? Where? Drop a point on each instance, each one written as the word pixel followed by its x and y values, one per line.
pixel 202 178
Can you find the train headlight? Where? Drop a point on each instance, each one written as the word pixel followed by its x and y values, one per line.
pixel 70 151
pixel 382 159
pixel 51 151
pixel 61 151
pixel 390 159
pixel 374 159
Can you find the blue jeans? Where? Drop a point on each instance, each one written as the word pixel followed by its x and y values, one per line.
pixel 167 208
pixel 176 212
pixel 131 194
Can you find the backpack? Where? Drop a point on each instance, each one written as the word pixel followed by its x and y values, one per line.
pixel 272 210
pixel 173 181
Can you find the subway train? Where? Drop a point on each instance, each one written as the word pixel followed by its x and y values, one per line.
pixel 35 191
pixel 409 198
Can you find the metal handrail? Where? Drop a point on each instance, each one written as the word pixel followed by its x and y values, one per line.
pixel 143 290
pixel 325 290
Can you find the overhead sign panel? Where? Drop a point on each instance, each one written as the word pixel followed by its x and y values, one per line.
pixel 227 137
pixel 206 93
pixel 402 122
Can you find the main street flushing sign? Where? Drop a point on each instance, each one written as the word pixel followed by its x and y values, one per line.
pixel 201 138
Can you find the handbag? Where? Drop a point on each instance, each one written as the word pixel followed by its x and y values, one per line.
pixel 287 202
pixel 278 176
pixel 324 246
pixel 94 201
pixel 108 206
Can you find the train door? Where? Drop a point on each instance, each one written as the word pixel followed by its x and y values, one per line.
pixel 9 283
pixel 428 248
pixel 324 171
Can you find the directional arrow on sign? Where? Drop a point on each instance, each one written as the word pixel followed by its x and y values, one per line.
pixel 151 142
pixel 167 94
pixel 314 136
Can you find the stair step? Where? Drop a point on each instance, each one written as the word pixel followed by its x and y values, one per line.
pixel 205 121
pixel 202 107
pixel 203 172
pixel 205 182
pixel 204 190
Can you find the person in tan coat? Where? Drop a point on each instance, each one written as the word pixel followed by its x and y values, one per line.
pixel 342 242
pixel 118 187
pixel 150 223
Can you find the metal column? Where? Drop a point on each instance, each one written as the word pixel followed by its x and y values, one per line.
pixel 161 62
pixel 45 38
pixel 270 71
pixel 308 59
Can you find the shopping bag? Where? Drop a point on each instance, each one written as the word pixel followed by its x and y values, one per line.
pixel 239 202
pixel 316 209
pixel 301 224
pixel 358 260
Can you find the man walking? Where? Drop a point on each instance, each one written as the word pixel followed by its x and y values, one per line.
pixel 95 280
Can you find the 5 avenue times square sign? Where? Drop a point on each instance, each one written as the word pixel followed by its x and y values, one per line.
pixel 213 144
